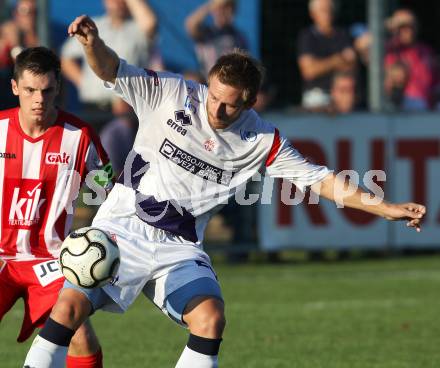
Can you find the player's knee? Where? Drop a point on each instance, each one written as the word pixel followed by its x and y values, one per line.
pixel 208 321
pixel 212 324
pixel 71 309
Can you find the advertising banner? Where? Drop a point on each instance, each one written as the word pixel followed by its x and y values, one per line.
pixel 393 154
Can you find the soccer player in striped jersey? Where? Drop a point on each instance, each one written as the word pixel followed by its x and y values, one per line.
pixel 196 147
pixel 45 155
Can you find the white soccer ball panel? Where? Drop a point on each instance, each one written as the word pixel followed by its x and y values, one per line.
pixel 89 258
pixel 75 245
pixel 104 269
pixel 81 265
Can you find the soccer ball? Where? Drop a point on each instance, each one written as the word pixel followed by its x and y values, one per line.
pixel 89 258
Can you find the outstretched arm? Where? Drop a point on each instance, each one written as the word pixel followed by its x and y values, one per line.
pixel 346 194
pixel 102 59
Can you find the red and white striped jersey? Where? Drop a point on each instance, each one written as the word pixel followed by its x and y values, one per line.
pixel 40 180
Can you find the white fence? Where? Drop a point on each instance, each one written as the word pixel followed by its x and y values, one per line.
pixel 406 147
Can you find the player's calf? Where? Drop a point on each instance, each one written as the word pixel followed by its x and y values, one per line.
pixel 49 348
pixel 84 349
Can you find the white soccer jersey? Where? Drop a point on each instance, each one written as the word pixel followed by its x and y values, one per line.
pixel 39 182
pixel 181 170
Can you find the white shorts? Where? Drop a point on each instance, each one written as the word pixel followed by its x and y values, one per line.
pixel 153 262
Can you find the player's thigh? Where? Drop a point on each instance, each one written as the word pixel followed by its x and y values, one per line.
pixel 75 304
pixel 174 291
pixel 44 282
pixel 38 286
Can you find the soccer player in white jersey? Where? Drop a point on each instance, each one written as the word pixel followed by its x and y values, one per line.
pixel 195 148
pixel 44 155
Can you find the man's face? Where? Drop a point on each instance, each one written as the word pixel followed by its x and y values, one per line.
pixel 26 14
pixel 36 94
pixel 407 34
pixel 225 103
pixel 404 27
pixel 322 13
pixel 344 94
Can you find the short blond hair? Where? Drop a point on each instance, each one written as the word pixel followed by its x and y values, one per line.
pixel 238 69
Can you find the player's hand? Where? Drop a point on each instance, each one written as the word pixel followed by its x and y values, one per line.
pixel 84 29
pixel 412 212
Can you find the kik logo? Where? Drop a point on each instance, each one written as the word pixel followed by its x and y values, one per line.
pixel 26 201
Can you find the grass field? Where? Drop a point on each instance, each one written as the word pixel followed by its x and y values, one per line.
pixel 357 314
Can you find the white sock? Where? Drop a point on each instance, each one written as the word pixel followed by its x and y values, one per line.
pixel 45 354
pixel 193 359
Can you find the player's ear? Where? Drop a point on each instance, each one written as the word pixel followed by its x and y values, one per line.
pixel 14 86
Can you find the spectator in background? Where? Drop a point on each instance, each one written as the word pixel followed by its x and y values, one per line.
pixel 212 41
pixel 129 28
pixel 15 35
pixel 404 49
pixel 323 49
pixel 343 93
pixel 21 31
pixel 118 135
pixel 396 80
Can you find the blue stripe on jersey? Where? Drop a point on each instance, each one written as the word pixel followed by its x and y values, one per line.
pixel 165 215
pixel 138 168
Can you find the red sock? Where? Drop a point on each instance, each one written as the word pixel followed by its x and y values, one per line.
pixel 91 361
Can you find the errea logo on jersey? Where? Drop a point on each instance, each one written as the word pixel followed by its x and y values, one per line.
pixel 25 196
pixel 55 158
pixel 182 120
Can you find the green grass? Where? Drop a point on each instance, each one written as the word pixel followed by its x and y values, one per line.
pixel 377 313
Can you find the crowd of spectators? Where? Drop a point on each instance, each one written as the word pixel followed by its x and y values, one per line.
pixel 329 59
